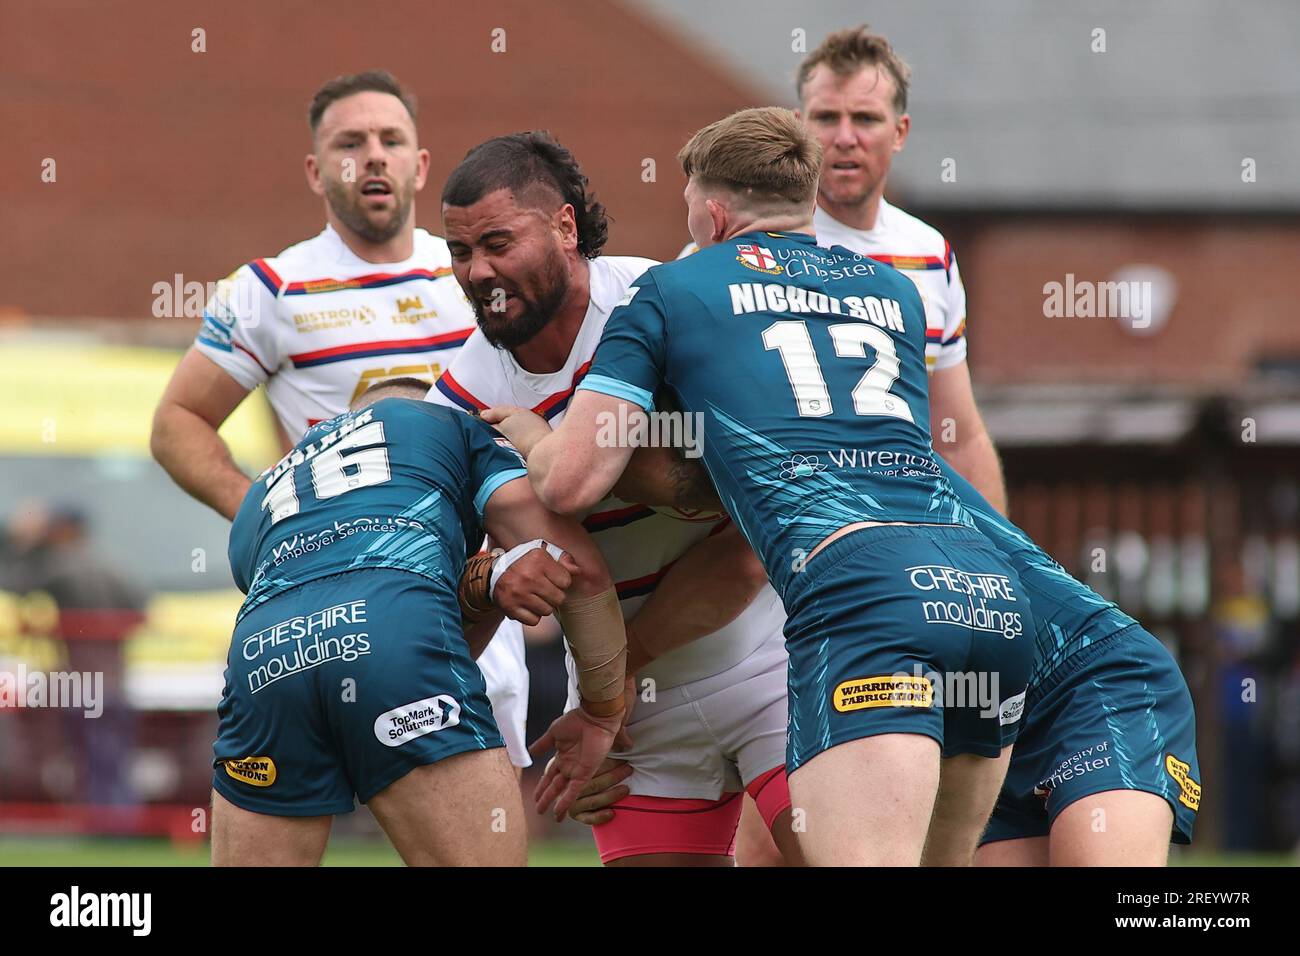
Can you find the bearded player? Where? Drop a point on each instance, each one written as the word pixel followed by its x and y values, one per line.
pixel 709 719
pixel 369 298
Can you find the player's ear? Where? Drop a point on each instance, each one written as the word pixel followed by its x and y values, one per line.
pixel 718 213
pixel 565 222
pixel 421 168
pixel 312 167
pixel 901 130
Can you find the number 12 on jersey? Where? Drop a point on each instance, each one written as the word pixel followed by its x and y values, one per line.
pixel 871 396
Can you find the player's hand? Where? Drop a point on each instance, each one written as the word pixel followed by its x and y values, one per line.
pixel 522 428
pixel 603 791
pixel 581 742
pixel 534 586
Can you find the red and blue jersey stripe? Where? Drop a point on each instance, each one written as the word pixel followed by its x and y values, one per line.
pixel 354 350
pixel 548 408
pixel 376 280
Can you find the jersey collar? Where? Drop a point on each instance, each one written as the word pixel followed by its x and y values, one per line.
pixel 801 237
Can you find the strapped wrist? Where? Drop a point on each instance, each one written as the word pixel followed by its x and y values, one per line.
pixel 474 592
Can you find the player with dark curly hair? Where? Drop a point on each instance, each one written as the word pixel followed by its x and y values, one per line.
pixel 525 236
pixel 535 182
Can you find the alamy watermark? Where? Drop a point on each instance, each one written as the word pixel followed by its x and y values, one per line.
pixel 1129 300
pixel 638 429
pixel 966 689
pixel 62 690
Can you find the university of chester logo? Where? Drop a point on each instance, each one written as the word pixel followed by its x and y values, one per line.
pixel 759 258
pixel 801 466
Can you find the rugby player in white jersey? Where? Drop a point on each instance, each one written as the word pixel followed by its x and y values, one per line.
pixel 370 298
pixel 709 720
pixel 853 99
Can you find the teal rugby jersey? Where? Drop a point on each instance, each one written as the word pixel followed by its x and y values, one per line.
pixel 1068 615
pixel 808 367
pixel 401 484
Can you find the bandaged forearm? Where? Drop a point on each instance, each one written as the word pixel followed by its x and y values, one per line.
pixel 593 629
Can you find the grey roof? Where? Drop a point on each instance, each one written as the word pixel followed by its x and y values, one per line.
pixel 1012 90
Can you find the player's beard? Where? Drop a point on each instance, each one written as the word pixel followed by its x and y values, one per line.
pixel 538 310
pixel 347 205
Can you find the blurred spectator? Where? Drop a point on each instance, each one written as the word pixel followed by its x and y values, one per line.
pixel 98 609
pixel 1240 620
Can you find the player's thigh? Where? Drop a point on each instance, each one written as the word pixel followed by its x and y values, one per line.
pixel 243 838
pixel 1025 851
pixel 464 810
pixel 276 752
pixel 769 828
pixel 867 802
pixel 416 699
pixel 784 835
pixel 1109 740
pixel 881 625
pixel 756 845
pixel 968 788
pixel 1113 828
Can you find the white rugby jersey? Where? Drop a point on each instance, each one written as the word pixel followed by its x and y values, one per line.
pixel 921 253
pixel 639 543
pixel 319 325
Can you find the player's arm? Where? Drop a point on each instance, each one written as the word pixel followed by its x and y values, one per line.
pixel 653 476
pixel 593 628
pixel 570 469
pixel 956 428
pixel 667 476
pixel 198 399
pixel 959 435
pixel 232 354
pixel 664 476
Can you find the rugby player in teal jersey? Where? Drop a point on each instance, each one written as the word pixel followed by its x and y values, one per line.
pixel 1105 770
pixel 349 675
pixel 807 366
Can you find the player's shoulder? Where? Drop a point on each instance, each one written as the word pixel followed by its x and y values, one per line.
pixel 915 236
pixel 321 249
pixel 616 273
pixel 302 260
